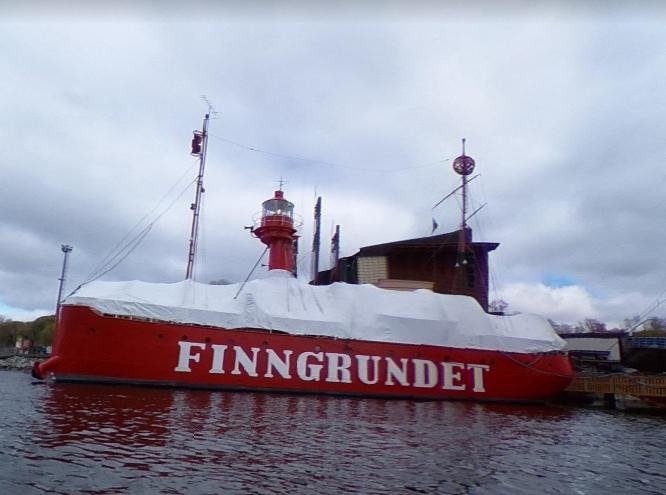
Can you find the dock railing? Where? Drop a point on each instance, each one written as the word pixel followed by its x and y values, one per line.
pixel 646 342
pixel 639 385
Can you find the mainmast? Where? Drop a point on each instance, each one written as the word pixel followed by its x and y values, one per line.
pixel 464 166
pixel 199 147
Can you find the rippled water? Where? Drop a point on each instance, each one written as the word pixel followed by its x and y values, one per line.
pixel 70 438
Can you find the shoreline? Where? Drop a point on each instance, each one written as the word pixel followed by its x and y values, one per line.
pixel 19 363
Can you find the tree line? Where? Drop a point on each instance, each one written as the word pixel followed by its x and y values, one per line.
pixel 643 326
pixel 647 327
pixel 39 331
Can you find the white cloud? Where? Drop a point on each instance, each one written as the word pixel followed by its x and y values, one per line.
pixel 573 303
pixel 18 314
pixel 563 115
pixel 562 304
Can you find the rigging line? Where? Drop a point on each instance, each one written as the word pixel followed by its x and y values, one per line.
pixel 652 306
pixel 138 237
pixel 644 317
pixel 93 275
pixel 491 282
pixel 453 192
pixel 137 240
pixel 130 251
pixel 300 260
pixel 494 275
pixel 251 272
pixel 477 223
pixel 330 164
pixel 104 261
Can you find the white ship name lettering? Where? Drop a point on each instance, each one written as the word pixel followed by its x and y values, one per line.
pixel 332 367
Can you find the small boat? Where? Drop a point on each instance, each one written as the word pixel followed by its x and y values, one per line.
pixel 281 334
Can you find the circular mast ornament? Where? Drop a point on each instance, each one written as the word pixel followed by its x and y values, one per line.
pixel 463 165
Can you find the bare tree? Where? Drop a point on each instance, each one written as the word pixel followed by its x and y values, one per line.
pixel 590 325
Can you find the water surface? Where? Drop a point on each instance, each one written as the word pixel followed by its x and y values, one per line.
pixel 70 438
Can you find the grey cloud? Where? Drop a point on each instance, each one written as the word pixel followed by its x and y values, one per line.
pixel 565 120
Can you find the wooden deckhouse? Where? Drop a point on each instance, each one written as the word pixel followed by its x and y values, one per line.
pixel 431 262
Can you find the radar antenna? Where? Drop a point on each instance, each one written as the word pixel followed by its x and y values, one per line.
pixel 211 110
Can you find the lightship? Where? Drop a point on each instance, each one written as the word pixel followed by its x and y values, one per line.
pixel 280 334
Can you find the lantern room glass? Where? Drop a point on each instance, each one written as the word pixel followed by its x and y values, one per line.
pixel 280 207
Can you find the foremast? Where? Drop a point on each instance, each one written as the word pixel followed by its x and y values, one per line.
pixel 199 147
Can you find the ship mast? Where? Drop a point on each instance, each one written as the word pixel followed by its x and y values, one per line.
pixel 316 239
pixel 66 249
pixel 199 147
pixel 464 166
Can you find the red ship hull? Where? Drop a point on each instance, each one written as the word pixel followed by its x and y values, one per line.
pixel 106 349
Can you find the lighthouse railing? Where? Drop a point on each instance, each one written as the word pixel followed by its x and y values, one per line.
pixel 278 220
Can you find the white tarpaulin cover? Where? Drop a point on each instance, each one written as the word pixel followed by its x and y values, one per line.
pixel 281 302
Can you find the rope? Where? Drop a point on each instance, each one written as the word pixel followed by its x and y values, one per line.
pixel 250 274
pixel 106 259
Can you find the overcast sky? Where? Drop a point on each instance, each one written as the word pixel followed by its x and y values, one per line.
pixel 564 111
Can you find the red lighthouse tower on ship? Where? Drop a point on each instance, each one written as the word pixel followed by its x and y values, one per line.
pixel 276 229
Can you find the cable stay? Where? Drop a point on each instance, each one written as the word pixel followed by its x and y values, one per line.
pixel 475 211
pixel 251 272
pixel 113 259
pixel 328 163
pixel 112 253
pixel 643 316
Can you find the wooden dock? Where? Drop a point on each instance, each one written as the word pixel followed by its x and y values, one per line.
pixel 618 390
pixel 620 383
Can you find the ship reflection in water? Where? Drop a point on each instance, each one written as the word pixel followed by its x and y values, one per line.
pixel 117 439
